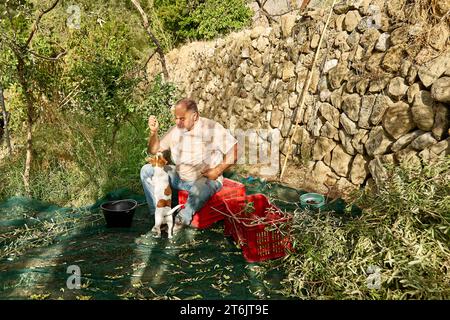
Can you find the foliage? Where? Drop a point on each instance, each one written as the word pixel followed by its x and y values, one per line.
pixel 404 233
pixel 202 19
pixel 249 207
pixel 7 61
pixel 16 109
pixel 159 99
pixel 216 17
pixel 104 74
pixel 41 75
pixel 79 168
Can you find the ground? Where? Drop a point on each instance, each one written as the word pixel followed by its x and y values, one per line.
pixel 129 263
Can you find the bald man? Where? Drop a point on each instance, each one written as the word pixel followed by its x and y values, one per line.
pixel 201 149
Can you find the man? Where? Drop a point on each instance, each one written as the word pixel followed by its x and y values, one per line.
pixel 201 150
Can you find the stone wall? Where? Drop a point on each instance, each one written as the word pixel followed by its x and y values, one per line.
pixel 379 94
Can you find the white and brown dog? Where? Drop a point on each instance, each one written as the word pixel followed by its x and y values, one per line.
pixel 163 196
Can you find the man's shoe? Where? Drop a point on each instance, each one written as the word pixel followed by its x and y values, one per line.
pixel 177 227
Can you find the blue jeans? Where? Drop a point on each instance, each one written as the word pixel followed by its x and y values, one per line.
pixel 200 191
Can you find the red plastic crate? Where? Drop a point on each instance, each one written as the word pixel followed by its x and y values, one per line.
pixel 260 239
pixel 206 216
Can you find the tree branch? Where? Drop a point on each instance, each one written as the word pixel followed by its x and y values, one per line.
pixel 146 26
pixel 305 4
pixel 305 89
pixel 36 22
pixel 271 16
pixel 264 11
pixel 148 60
pixel 71 94
pixel 61 54
pixel 282 14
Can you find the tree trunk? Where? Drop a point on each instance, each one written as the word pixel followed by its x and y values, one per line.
pixel 155 41
pixel 29 158
pixel 5 119
pixel 29 103
pixel 20 52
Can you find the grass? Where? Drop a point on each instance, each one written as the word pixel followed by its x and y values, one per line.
pixel 404 233
pixel 73 164
pixel 72 167
pixel 42 232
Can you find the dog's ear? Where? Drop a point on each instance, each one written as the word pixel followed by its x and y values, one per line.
pixel 153 161
pixel 161 161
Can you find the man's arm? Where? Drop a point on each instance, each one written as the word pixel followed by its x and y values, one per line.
pixel 153 143
pixel 229 159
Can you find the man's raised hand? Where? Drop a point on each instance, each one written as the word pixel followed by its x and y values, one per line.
pixel 153 124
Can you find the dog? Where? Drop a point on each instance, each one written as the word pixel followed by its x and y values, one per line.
pixel 163 196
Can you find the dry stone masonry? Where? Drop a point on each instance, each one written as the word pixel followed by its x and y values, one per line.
pixel 378 94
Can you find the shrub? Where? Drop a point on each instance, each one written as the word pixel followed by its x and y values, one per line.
pixel 159 99
pixel 202 19
pixel 216 17
pixel 401 241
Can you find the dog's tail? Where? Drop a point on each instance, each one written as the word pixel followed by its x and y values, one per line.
pixel 175 209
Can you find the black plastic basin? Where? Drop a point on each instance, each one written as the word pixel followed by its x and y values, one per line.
pixel 119 213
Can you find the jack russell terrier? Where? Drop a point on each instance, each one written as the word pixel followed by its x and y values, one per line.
pixel 163 196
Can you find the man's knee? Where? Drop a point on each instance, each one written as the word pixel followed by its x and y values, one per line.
pixel 205 188
pixel 173 175
pixel 146 171
pixel 170 170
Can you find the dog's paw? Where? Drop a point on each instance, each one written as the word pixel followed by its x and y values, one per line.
pixel 139 241
pixel 156 233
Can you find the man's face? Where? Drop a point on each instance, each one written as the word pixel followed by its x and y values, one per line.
pixel 185 119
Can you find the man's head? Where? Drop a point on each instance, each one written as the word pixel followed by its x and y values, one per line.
pixel 186 113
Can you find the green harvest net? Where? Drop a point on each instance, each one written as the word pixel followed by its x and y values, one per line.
pixel 39 241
